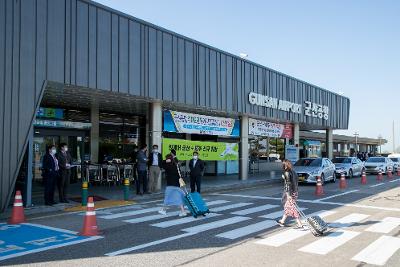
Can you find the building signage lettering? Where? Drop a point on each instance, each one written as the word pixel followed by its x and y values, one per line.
pixel 62 124
pixel 311 109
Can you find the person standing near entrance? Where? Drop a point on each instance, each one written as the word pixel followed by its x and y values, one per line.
pixel 50 174
pixel 155 165
pixel 64 162
pixel 141 160
pixel 196 167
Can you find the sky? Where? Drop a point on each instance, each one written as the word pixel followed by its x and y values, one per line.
pixel 349 47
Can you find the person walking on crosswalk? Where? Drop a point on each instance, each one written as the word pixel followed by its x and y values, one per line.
pixel 290 194
pixel 173 193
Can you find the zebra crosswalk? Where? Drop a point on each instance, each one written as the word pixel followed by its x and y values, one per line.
pixel 232 221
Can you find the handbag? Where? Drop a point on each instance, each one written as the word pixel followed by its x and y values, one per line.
pixel 181 181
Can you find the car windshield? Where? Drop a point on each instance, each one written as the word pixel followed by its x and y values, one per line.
pixel 309 162
pixel 376 160
pixel 341 160
pixel 395 159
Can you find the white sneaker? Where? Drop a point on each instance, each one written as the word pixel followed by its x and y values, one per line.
pixel 162 211
pixel 182 214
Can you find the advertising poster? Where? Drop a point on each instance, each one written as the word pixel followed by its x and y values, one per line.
pixel 181 122
pixel 270 129
pixel 211 151
pixel 292 153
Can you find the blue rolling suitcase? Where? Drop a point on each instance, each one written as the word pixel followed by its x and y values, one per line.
pixel 193 201
pixel 195 204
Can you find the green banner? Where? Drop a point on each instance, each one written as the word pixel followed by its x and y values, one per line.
pixel 212 151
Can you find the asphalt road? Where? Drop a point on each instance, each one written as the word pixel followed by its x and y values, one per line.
pixel 240 231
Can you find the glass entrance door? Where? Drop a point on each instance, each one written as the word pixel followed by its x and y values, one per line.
pixel 39 149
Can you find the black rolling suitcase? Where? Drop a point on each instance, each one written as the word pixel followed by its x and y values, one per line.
pixel 316 224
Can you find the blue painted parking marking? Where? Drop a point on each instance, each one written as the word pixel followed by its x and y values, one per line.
pixel 22 239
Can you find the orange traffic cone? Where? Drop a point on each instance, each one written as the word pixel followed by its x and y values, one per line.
pixel 89 223
pixel 398 171
pixel 389 174
pixel 319 190
pixel 17 215
pixel 363 178
pixel 380 176
pixel 342 183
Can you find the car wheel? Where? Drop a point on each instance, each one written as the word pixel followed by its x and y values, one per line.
pixel 322 179
pixel 334 178
pixel 350 173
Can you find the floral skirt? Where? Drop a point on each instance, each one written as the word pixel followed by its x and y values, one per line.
pixel 290 207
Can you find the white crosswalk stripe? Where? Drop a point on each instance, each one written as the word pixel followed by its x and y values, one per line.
pixel 152 217
pixel 330 242
pixel 247 230
pixel 348 220
pixel 385 226
pixel 231 207
pixel 276 214
pixel 282 238
pixel 380 251
pixel 180 221
pixel 216 224
pixel 291 234
pixel 129 213
pixel 254 210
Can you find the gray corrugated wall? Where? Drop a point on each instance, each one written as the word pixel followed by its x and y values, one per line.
pixel 83 43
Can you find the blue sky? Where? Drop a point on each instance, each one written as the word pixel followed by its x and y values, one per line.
pixel 344 46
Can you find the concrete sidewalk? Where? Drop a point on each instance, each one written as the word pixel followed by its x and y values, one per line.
pixel 114 193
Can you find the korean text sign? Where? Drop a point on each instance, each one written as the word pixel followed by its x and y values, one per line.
pixel 181 122
pixel 269 129
pixel 211 151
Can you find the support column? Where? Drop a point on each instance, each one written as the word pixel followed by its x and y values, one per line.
pixel 296 134
pixel 244 149
pixel 329 143
pixel 30 170
pixel 94 132
pixel 156 131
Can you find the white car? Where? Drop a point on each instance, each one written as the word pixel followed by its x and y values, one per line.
pixel 349 166
pixel 396 161
pixel 376 164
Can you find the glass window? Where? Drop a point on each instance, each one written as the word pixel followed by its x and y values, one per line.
pixel 376 160
pixel 342 160
pixel 395 159
pixel 309 162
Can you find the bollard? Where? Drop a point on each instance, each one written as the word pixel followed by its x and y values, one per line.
pixel 126 189
pixel 84 193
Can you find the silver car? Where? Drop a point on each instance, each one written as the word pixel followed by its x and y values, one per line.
pixel 308 169
pixel 377 164
pixel 350 166
pixel 396 163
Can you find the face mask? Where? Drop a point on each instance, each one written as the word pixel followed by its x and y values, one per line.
pixel 195 157
pixel 155 150
pixel 65 149
pixel 53 151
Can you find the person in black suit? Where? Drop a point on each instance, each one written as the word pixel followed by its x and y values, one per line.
pixel 155 165
pixel 50 174
pixel 196 167
pixel 64 162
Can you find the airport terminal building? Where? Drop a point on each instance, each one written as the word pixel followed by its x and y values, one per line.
pixel 104 82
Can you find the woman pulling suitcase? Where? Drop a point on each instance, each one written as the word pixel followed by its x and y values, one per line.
pixel 173 193
pixel 290 194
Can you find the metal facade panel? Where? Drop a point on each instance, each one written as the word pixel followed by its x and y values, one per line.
pixel 80 42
